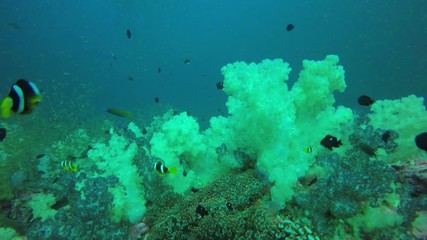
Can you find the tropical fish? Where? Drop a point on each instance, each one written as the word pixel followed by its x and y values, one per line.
pixel 220 85
pixel 120 113
pixel 386 136
pixel 201 211
pixel 162 169
pixel 370 151
pixel 2 134
pixel 308 149
pixel 421 141
pixel 22 98
pixel 69 166
pixel 365 100
pixel 330 141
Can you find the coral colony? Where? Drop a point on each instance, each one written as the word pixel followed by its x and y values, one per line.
pixel 283 163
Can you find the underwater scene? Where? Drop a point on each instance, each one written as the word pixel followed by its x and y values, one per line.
pixel 226 119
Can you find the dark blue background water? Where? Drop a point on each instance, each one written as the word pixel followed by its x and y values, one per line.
pixel 73 48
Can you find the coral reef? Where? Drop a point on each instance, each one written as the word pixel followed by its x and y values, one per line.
pixel 77 216
pixel 248 176
pixel 232 207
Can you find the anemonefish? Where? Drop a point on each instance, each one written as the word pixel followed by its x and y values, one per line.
pixel 22 98
pixel 69 166
pixel 308 149
pixel 162 169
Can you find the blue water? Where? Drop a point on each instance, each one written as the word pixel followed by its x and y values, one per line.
pixel 61 44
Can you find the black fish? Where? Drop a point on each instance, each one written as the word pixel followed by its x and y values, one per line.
pixel 201 211
pixel 370 151
pixel 290 27
pixel 330 141
pixel 386 136
pixel 129 34
pixel 159 70
pixel 421 141
pixel 156 99
pixel 220 85
pixel 2 134
pixel 187 61
pixel 229 206
pixel 365 100
pixel 194 190
pixel 60 203
pixel 312 181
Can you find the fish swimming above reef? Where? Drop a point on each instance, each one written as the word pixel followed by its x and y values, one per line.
pixel 22 98
pixel 421 141
pixel 162 169
pixel 308 149
pixel 69 166
pixel 220 85
pixel 120 113
pixel 290 27
pixel 201 211
pixel 330 142
pixel 386 136
pixel 366 148
pixel 365 100
pixel 2 134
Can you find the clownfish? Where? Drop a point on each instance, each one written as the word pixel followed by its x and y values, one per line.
pixel 69 166
pixel 22 98
pixel 308 149
pixel 162 169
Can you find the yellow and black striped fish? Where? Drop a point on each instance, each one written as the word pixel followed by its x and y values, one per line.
pixel 69 166
pixel 22 98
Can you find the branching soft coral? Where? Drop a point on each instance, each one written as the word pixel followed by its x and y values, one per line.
pixel 408 117
pixel 265 121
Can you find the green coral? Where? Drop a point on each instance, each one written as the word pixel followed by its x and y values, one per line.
pixel 41 204
pixel 265 121
pixel 116 159
pixel 408 117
